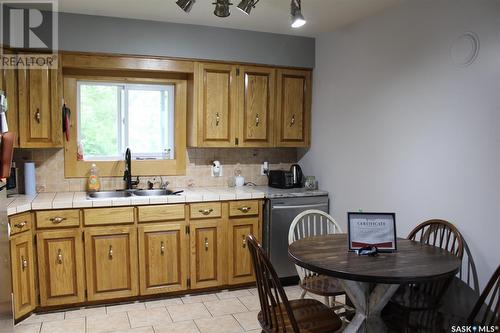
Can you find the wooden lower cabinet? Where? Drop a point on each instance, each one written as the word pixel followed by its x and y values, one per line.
pixel 23 273
pixel 207 253
pixel 111 262
pixel 170 248
pixel 163 257
pixel 61 267
pixel 240 268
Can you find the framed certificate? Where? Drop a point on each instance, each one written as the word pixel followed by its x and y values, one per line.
pixel 372 229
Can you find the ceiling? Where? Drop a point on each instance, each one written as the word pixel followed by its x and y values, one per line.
pixel 267 16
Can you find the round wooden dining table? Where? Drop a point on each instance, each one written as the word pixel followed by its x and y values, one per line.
pixel 371 281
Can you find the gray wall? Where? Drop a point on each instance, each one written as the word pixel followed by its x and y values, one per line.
pixel 398 127
pixel 117 35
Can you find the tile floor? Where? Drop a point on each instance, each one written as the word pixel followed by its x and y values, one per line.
pixel 223 312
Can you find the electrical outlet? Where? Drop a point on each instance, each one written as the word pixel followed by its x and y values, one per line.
pixel 264 169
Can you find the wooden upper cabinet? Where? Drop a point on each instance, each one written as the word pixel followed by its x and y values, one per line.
pixel 23 274
pixel 207 253
pixel 256 106
pixel 40 115
pixel 111 262
pixel 8 83
pixel 293 108
pixel 61 267
pixel 249 106
pixel 216 104
pixel 163 258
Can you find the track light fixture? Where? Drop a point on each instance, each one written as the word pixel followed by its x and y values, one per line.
pixel 222 8
pixel 246 6
pixel 186 5
pixel 297 19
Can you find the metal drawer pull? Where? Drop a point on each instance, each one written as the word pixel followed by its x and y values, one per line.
pixel 244 209
pixel 110 253
pixel 38 116
pixel 206 211
pixel 217 119
pixel 292 121
pixel 20 225
pixel 59 256
pixel 206 244
pixel 244 241
pixel 24 263
pixel 162 248
pixel 257 120
pixel 57 219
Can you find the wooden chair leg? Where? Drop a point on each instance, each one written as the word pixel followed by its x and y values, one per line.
pixel 327 301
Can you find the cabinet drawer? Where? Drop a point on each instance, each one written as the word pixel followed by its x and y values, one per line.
pixel 161 213
pixel 244 208
pixel 104 216
pixel 20 223
pixel 205 210
pixel 58 218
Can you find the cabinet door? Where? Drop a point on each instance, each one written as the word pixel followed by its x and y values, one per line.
pixel 23 274
pixel 216 88
pixel 293 108
pixel 111 262
pixel 256 106
pixel 8 83
pixel 163 258
pixel 207 251
pixel 240 261
pixel 40 119
pixel 60 267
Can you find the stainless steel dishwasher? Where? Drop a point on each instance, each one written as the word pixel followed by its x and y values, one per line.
pixel 279 214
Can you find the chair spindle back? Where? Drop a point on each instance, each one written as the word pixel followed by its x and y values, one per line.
pixel 272 297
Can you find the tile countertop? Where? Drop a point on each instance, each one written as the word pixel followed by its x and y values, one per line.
pixel 63 200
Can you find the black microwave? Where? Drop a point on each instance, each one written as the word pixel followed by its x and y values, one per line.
pixel 280 179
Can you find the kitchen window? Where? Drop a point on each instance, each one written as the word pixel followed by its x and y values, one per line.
pixel 113 116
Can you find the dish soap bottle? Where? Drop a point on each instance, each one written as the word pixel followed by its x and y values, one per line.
pixel 94 183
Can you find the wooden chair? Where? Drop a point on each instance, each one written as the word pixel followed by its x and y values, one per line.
pixel 486 312
pixel 426 296
pixel 277 313
pixel 313 223
pixel 463 289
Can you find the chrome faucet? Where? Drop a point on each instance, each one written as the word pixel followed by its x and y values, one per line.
pixel 127 175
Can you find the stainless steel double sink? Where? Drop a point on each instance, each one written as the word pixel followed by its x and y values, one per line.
pixel 130 193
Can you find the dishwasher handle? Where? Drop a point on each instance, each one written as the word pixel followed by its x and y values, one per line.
pixel 300 206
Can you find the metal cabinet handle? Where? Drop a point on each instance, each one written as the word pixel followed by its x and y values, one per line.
pixel 24 263
pixel 20 225
pixel 59 256
pixel 244 241
pixel 244 209
pixel 110 252
pixel 217 119
pixel 206 244
pixel 206 211
pixel 162 248
pixel 57 219
pixel 38 116
pixel 257 120
pixel 292 121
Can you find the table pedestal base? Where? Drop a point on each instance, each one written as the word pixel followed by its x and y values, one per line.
pixel 368 304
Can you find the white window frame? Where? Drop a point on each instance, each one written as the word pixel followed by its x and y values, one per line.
pixel 168 124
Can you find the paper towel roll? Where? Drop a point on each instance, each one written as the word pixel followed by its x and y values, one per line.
pixel 29 178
